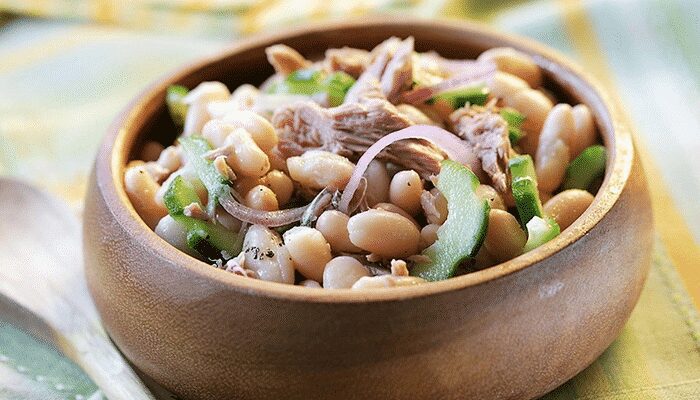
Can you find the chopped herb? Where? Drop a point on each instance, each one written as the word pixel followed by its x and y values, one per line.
pixel 458 98
pixel 310 81
pixel 174 98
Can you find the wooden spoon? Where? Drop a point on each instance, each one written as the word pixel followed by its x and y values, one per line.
pixel 43 288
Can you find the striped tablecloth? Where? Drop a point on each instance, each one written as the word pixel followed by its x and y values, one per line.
pixel 68 66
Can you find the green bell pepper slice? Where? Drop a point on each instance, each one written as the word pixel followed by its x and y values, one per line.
pixel 209 239
pixel 540 231
pixel 309 82
pixel 337 86
pixel 586 168
pixel 175 99
pixel 524 187
pixel 460 237
pixel 217 185
pixel 515 122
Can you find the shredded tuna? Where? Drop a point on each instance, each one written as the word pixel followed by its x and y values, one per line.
pixel 223 168
pixel 351 61
pixel 487 133
pixel 349 130
pixel 237 267
pixel 194 210
pixel 398 74
pixel 389 74
pixel 399 268
pixel 285 59
pixel 430 203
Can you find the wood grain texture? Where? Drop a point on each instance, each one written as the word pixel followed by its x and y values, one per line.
pixel 43 289
pixel 513 331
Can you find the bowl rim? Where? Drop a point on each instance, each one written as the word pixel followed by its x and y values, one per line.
pixel 113 156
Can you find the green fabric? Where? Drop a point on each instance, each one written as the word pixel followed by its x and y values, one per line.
pixel 31 369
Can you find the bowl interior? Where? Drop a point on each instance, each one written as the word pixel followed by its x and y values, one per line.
pixel 245 62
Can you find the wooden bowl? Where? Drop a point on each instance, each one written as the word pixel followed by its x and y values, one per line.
pixel 513 331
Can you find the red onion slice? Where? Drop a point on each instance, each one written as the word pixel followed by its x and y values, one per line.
pixel 273 219
pixel 258 217
pixel 453 146
pixel 480 71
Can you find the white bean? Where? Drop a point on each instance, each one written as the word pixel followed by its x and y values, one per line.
pixel 544 196
pixel 317 169
pixel 309 250
pixel 559 124
pixel 342 272
pixel 142 189
pixel 398 210
pixel 249 160
pixel 281 184
pixel 434 206
pixel 260 129
pixel 551 164
pixel 267 255
pixel 503 85
pixel 386 281
pixel 567 206
pixel 215 132
pixel 242 154
pixel 515 62
pixel 151 150
pixel 170 158
pixel 429 235
pixel 378 181
pixel 243 184
pixel 245 96
pixel 197 100
pixel 174 233
pixel 334 227
pixel 157 172
pixel 261 198
pixel 553 154
pixel 585 131
pixel 488 193
pixel 534 106
pixel 504 237
pixel 383 233
pixel 405 191
pixel 310 284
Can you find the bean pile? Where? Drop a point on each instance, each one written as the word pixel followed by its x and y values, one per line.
pixel 290 183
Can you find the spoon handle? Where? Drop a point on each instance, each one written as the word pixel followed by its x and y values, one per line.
pixel 92 350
